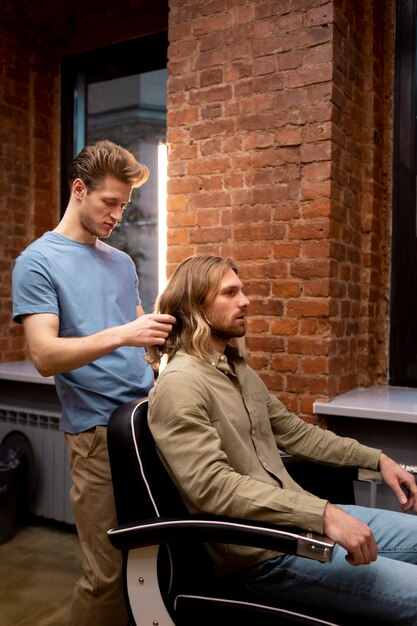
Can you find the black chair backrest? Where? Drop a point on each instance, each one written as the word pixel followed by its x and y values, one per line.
pixel 142 486
pixel 143 489
pixel 335 484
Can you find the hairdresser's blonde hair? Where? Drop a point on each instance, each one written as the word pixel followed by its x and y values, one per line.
pixel 105 158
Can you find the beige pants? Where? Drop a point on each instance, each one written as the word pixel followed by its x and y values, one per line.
pixel 98 595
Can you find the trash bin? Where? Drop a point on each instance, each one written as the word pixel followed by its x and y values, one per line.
pixel 11 478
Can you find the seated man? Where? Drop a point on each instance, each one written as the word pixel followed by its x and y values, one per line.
pixel 218 431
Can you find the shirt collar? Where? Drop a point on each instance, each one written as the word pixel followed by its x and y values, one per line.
pixel 226 362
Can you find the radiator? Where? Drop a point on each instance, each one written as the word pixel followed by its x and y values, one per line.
pixel 49 474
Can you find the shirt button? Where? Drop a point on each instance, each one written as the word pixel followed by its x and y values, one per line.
pixel 213 363
pixel 222 357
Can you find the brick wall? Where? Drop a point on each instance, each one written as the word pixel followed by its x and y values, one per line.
pixel 28 146
pixel 361 187
pixel 273 111
pixel 279 132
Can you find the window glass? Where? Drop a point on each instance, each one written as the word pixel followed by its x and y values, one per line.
pixel 403 294
pixel 131 111
pixel 118 92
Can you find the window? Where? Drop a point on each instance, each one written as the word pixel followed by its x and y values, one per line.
pixel 119 93
pixel 403 301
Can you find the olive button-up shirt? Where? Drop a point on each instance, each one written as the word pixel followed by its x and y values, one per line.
pixel 219 432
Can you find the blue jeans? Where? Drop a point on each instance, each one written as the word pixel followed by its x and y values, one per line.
pixel 384 592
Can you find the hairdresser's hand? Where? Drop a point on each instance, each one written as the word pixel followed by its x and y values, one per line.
pixel 402 483
pixel 147 330
pixel 350 533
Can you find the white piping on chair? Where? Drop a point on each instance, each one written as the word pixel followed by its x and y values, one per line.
pixel 318 620
pixel 147 485
pixel 139 459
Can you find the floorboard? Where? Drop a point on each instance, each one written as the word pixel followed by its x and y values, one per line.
pixel 38 569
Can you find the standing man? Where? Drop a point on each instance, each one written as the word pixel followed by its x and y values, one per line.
pixel 219 432
pixel 78 300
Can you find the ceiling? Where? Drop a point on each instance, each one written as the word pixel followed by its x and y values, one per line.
pixel 62 21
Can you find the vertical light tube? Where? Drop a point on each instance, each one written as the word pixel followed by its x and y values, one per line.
pixel 162 215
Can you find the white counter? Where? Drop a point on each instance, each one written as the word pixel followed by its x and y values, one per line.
pixel 23 371
pixel 380 402
pixel 22 388
pixel 381 417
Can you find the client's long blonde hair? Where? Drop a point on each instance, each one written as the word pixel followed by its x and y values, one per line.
pixel 189 291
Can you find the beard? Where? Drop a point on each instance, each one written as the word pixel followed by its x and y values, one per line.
pixel 225 332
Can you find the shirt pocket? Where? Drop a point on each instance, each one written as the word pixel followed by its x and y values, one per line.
pixel 259 411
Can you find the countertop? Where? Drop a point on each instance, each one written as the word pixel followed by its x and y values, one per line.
pixel 380 402
pixel 23 371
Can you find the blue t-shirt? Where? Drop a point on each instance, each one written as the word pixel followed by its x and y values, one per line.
pixel 90 287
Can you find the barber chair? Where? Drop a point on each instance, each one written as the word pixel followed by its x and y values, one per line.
pixel 168 576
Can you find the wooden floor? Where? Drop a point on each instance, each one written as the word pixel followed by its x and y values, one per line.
pixel 38 569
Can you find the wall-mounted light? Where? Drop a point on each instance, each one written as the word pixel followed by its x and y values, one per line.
pixel 162 215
